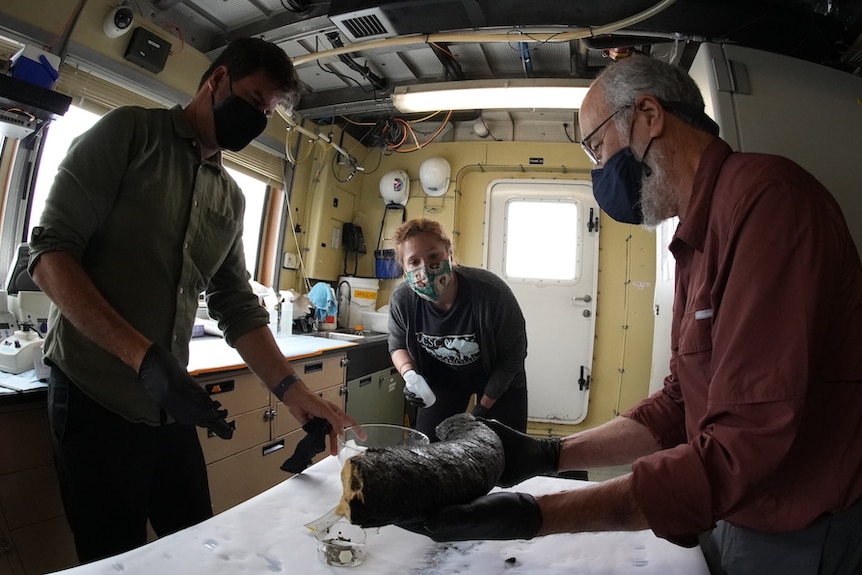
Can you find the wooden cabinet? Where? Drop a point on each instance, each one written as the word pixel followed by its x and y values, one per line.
pixel 265 434
pixel 34 535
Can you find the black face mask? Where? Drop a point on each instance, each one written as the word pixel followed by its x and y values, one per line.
pixel 237 123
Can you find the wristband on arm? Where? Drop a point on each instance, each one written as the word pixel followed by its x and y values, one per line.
pixel 280 389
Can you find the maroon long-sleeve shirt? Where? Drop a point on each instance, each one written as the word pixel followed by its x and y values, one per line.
pixel 761 415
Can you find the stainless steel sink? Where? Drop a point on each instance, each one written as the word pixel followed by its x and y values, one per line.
pixel 339 335
pixel 349 335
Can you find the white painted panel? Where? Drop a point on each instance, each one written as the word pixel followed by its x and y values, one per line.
pixel 560 313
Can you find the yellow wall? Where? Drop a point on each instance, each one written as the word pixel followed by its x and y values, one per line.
pixel 624 318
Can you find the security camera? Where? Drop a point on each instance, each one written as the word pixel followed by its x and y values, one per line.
pixel 118 22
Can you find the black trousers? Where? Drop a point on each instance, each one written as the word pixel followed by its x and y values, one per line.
pixel 510 408
pixel 116 475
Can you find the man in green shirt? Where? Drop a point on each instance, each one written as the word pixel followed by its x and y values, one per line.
pixel 141 218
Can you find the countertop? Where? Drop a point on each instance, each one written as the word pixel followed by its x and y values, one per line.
pixel 208 354
pixel 266 534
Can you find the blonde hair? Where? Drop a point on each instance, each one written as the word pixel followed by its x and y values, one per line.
pixel 418 226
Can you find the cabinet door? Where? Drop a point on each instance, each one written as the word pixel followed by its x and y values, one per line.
pixel 243 475
pixel 45 547
pixel 7 551
pixel 238 392
pixel 318 374
pixel 285 422
pixel 250 429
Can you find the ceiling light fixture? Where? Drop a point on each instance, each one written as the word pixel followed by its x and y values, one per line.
pixel 516 94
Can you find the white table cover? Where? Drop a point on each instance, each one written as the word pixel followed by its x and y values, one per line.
pixel 266 534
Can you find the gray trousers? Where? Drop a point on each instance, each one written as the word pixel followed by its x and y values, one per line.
pixel 832 545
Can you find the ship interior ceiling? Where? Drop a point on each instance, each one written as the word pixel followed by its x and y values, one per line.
pixel 351 54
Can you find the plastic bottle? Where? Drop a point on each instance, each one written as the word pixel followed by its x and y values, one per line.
pixel 417 385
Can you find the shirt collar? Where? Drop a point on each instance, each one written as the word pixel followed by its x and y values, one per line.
pixel 184 130
pixel 692 230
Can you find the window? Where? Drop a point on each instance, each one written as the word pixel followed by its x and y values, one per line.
pixel 531 250
pixel 76 121
pixel 61 132
pixel 255 201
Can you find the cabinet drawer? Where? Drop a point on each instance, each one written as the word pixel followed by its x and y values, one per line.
pixel 32 440
pixel 239 477
pixel 321 373
pixel 251 429
pixel 46 547
pixel 30 496
pixel 285 422
pixel 238 393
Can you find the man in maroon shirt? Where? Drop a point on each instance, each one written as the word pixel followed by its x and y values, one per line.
pixel 754 445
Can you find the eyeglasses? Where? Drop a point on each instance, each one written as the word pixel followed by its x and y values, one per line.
pixel 588 150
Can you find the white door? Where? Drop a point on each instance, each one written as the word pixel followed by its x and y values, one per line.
pixel 542 239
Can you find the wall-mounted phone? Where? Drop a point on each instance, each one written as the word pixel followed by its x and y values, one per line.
pixel 354 243
pixel 353 239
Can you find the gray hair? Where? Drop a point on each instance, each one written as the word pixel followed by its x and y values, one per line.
pixel 623 81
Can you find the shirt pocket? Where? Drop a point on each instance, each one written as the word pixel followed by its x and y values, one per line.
pixel 695 334
pixel 213 243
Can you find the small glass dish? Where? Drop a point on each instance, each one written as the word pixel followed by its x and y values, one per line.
pixel 342 544
pixel 378 435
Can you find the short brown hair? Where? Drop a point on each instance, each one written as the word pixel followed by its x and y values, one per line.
pixel 419 226
pixel 245 56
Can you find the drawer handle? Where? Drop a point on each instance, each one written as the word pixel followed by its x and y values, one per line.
pixel 365 381
pixel 231 423
pixel 220 387
pixel 272 448
pixel 313 367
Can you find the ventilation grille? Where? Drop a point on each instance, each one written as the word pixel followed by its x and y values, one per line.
pixel 370 24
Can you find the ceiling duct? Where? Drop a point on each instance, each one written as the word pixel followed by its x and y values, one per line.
pixel 365 20
pixel 361 25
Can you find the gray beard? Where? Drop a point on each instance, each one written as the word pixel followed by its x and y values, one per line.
pixel 659 195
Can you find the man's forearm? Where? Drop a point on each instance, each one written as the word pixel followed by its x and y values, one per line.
pixel 260 352
pixel 606 506
pixel 66 283
pixel 616 442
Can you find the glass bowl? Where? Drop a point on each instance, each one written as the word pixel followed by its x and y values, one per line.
pixel 351 443
pixel 342 544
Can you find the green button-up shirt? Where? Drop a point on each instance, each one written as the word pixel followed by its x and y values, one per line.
pixel 153 226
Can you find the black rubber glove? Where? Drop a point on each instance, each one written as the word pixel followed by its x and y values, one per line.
pixel 179 394
pixel 526 456
pixel 412 398
pixel 479 410
pixel 499 516
pixel 314 442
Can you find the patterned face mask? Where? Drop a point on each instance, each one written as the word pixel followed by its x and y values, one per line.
pixel 430 282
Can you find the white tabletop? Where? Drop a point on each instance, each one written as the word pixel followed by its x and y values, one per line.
pixel 266 535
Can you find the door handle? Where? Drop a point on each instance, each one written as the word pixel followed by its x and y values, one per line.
pixel 586 299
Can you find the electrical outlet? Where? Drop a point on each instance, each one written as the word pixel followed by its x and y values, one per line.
pixel 291 261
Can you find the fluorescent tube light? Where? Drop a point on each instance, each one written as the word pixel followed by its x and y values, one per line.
pixel 487 94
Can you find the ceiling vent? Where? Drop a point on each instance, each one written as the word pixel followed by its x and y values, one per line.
pixel 362 25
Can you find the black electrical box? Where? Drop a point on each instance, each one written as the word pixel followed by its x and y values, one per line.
pixel 148 50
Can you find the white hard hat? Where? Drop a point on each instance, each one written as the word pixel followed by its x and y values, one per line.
pixel 434 175
pixel 395 187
